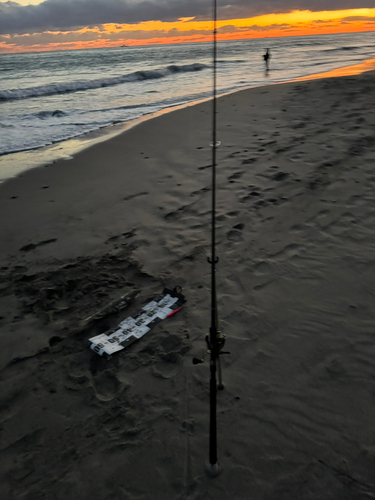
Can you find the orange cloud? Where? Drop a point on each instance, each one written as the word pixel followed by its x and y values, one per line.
pixel 271 25
pixel 188 30
pixel 292 18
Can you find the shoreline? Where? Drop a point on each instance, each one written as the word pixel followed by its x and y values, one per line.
pixel 66 149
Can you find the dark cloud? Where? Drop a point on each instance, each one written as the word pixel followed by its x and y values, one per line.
pixel 247 8
pixel 238 29
pixel 360 19
pixel 67 14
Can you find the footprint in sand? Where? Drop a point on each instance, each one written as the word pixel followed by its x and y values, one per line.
pixel 297 228
pixel 32 246
pixel 53 341
pixel 298 125
pixel 249 161
pixel 260 204
pixel 106 386
pixel 289 251
pixel 250 196
pixel 234 154
pixel 176 214
pixel 165 370
pixel 323 213
pixel 280 176
pixel 262 267
pixel 200 191
pixel 188 426
pixel 126 235
pixel 235 234
pixel 236 175
pixel 132 196
pixel 297 157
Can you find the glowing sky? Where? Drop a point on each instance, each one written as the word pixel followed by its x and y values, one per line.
pixel 33 25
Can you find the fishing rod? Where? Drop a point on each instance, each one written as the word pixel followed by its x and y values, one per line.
pixel 215 340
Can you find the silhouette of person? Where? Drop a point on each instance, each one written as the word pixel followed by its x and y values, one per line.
pixel 267 57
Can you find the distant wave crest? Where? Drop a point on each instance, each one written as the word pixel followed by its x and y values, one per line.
pixel 231 61
pixel 65 87
pixel 337 49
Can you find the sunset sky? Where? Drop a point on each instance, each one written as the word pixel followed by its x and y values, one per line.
pixel 35 25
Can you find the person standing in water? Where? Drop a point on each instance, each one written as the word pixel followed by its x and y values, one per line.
pixel 267 57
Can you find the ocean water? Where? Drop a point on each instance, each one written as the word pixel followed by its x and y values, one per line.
pixel 49 97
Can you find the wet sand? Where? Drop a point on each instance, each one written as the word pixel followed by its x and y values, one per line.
pixel 296 241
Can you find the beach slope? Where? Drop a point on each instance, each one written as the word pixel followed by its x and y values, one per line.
pixel 296 287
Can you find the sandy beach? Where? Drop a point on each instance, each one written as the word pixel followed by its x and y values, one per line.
pixel 296 290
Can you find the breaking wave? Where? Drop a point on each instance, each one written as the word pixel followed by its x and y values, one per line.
pixel 43 115
pixel 66 87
